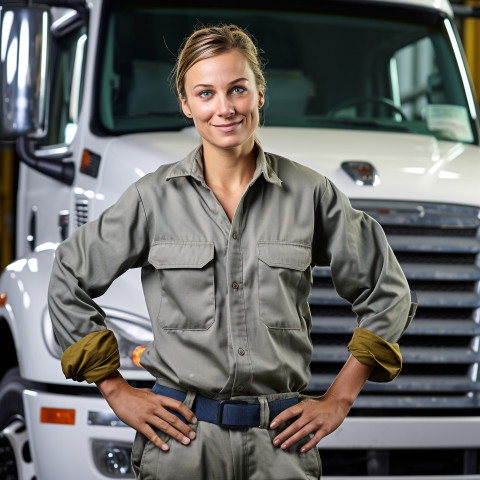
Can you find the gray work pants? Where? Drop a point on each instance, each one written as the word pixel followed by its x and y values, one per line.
pixel 218 453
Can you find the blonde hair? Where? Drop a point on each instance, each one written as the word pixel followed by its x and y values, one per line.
pixel 206 42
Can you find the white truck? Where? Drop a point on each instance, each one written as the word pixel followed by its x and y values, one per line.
pixel 376 95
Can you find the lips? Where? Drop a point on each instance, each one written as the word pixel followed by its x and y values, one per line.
pixel 228 127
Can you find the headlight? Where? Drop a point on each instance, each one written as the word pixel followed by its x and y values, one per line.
pixel 112 458
pixel 132 332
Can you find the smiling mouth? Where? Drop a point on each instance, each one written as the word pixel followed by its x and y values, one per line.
pixel 229 127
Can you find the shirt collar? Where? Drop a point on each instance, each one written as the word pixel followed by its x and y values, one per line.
pixel 192 166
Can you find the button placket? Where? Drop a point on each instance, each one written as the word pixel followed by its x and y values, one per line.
pixel 242 375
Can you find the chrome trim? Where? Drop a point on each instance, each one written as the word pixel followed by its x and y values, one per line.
pixel 425 214
pixel 60 150
pixel 63 20
pixel 361 172
pixel 81 211
pixel 104 419
pixel 23 71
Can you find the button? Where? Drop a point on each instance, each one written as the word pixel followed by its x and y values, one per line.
pixel 234 236
pixel 240 388
pixel 235 285
pixel 241 352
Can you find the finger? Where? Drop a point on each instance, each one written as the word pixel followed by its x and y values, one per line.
pixel 175 422
pixel 287 414
pixel 170 430
pixel 179 407
pixel 154 438
pixel 313 442
pixel 296 437
pixel 290 431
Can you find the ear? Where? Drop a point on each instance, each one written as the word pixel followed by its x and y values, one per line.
pixel 185 107
pixel 261 100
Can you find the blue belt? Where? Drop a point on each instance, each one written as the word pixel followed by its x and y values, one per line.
pixel 226 413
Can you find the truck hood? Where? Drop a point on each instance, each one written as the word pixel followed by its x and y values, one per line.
pixel 409 167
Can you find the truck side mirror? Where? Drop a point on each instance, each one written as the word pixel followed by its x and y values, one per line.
pixel 24 46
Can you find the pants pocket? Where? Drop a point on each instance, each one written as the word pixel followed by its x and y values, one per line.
pixel 312 463
pixel 137 453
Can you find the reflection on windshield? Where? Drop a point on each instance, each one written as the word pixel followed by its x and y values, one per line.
pixel 322 70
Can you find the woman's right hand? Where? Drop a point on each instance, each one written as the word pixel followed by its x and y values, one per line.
pixel 143 410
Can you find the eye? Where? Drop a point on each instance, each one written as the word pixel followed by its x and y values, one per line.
pixel 205 94
pixel 238 89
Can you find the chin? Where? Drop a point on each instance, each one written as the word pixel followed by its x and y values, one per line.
pixel 230 142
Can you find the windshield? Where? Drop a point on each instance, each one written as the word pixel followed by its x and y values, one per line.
pixel 352 67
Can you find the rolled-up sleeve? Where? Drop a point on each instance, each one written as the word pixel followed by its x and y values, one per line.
pixel 85 266
pixel 366 273
pixel 372 350
pixel 92 358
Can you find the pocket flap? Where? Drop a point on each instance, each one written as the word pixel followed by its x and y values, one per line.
pixel 181 254
pixel 296 256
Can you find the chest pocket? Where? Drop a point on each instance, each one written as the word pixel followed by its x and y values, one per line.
pixel 283 285
pixel 187 284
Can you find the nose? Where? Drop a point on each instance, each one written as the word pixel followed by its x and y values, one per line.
pixel 225 106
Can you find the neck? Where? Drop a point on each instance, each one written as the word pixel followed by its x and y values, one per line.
pixel 229 168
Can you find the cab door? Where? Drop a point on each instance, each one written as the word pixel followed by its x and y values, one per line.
pixel 47 171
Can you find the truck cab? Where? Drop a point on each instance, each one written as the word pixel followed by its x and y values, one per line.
pixel 376 95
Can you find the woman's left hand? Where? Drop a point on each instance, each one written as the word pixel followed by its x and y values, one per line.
pixel 319 416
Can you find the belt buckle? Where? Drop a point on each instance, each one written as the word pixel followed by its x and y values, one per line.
pixel 220 408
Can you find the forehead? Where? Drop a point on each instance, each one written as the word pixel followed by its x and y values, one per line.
pixel 225 67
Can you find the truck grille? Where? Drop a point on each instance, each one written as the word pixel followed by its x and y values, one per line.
pixel 437 247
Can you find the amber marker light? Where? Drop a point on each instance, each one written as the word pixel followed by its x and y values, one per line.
pixel 90 163
pixel 62 416
pixel 85 159
pixel 3 299
pixel 136 354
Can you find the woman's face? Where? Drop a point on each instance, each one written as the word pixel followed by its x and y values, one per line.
pixel 222 98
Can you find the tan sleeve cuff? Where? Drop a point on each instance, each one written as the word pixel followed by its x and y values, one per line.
pixel 92 358
pixel 374 351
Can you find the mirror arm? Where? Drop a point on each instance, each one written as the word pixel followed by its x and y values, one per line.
pixel 53 166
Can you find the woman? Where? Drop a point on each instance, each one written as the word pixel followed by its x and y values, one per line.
pixel 226 239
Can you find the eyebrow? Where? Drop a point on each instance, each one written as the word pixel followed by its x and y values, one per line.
pixel 206 85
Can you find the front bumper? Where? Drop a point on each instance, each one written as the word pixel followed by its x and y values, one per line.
pixel 410 439
pixel 66 451
pixel 405 432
